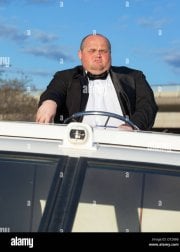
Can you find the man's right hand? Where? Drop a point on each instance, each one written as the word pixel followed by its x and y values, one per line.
pixel 46 112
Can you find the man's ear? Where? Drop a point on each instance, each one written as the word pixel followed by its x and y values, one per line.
pixel 80 54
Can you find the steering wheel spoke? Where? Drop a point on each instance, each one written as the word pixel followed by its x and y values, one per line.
pixel 109 115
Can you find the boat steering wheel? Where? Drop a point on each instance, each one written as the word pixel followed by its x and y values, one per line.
pixel 101 113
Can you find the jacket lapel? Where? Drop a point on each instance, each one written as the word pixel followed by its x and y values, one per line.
pixel 77 93
pixel 118 81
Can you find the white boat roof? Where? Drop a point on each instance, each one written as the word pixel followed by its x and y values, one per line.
pixel 79 139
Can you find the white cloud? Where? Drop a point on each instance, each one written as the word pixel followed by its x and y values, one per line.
pixel 49 51
pixel 11 32
pixel 152 22
pixel 44 37
pixel 173 59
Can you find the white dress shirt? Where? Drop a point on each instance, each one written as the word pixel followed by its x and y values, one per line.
pixel 102 97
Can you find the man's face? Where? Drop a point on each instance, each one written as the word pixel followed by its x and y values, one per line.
pixel 95 55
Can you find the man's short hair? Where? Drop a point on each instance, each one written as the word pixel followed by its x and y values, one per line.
pixel 96 34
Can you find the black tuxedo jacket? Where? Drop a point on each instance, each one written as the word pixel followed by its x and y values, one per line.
pixel 69 89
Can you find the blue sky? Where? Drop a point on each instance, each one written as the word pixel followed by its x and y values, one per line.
pixel 40 37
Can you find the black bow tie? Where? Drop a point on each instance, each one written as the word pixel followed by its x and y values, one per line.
pixel 101 76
